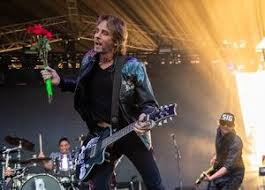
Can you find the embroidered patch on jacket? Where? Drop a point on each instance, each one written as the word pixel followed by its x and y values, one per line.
pixel 134 68
pixel 129 85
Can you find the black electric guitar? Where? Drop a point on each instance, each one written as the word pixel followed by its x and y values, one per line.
pixel 92 151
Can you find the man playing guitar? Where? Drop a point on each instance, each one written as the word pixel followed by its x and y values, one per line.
pixel 228 165
pixel 94 89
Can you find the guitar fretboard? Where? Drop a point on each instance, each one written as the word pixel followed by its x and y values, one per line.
pixel 117 135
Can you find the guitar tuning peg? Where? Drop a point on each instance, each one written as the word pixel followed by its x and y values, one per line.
pixel 107 160
pixel 165 121
pixel 107 154
pixel 170 118
pixel 160 123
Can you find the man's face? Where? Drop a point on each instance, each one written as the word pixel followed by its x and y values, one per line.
pixel 103 42
pixel 64 147
pixel 226 129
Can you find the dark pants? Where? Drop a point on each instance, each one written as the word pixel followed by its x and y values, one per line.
pixel 227 182
pixel 142 158
pixel 8 185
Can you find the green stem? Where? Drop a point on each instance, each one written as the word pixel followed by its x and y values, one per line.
pixel 48 84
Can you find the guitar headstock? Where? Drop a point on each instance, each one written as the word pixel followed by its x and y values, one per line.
pixel 161 114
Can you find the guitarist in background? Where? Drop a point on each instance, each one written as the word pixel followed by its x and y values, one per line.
pixel 228 163
pixel 93 101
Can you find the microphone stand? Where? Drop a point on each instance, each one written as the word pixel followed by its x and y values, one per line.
pixel 114 175
pixel 177 156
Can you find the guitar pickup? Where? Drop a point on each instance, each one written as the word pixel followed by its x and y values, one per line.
pixel 93 151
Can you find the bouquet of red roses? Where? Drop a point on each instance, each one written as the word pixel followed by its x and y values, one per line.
pixel 41 38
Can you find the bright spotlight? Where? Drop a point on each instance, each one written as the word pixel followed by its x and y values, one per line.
pixel 251 94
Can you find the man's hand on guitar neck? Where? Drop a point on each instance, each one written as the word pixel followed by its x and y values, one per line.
pixel 141 125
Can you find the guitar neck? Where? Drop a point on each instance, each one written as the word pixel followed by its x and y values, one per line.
pixel 157 115
pixel 117 135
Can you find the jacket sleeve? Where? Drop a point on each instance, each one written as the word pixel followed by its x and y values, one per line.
pixel 234 152
pixel 67 84
pixel 144 92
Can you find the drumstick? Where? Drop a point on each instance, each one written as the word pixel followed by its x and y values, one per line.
pixel 7 160
pixel 40 142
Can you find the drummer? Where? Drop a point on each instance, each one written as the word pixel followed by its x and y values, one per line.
pixel 63 160
pixel 8 178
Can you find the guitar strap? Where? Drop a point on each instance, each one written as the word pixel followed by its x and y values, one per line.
pixel 118 64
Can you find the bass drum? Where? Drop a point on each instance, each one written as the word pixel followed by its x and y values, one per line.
pixel 42 182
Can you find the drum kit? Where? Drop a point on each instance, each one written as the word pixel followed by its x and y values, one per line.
pixel 22 170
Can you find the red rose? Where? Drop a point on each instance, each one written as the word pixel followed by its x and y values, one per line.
pixel 38 29
pixel 48 35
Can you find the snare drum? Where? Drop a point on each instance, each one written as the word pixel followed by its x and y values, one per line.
pixel 42 182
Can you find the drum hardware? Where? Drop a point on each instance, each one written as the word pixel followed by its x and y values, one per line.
pixel 16 141
pixel 35 160
pixel 10 160
pixel 10 150
pixel 46 181
pixel 81 139
pixel 64 172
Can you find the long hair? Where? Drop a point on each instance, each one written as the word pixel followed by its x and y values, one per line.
pixel 118 30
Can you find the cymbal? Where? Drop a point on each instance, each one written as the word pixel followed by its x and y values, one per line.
pixel 27 145
pixel 35 160
pixel 11 161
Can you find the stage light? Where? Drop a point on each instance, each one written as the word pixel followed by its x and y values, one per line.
pixel 163 62
pixel 70 66
pixel 241 67
pixel 260 46
pixel 252 102
pixel 261 67
pixel 242 44
pixel 77 65
pixel 60 65
pixel 39 67
pixel 225 42
pixel 15 66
